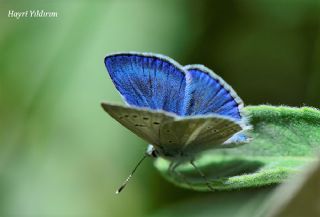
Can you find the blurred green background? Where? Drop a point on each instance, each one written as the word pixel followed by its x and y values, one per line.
pixel 61 155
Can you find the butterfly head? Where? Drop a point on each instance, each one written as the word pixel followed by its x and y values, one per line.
pixel 152 152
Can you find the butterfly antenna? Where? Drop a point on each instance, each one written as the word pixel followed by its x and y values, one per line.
pixel 131 174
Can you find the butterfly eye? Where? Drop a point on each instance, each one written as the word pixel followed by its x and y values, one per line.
pixel 156 123
pixel 154 153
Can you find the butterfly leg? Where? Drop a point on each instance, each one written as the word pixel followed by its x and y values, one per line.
pixel 177 175
pixel 172 169
pixel 202 175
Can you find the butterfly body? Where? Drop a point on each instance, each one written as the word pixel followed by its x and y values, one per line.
pixel 180 111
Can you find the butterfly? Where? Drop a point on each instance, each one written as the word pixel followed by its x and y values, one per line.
pixel 181 111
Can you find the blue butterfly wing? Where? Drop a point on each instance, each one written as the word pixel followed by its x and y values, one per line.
pixel 237 140
pixel 148 80
pixel 211 94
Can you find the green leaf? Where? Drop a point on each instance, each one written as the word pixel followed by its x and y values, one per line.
pixel 300 196
pixel 284 139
